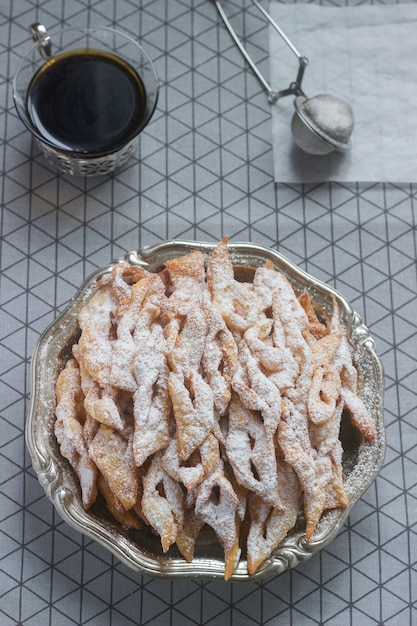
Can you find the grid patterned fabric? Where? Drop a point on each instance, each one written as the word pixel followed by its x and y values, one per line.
pixel 203 169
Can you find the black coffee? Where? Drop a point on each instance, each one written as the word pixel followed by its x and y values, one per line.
pixel 87 101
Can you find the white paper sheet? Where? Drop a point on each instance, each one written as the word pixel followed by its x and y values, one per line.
pixel 366 55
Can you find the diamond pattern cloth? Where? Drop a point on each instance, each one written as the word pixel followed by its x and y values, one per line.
pixel 204 168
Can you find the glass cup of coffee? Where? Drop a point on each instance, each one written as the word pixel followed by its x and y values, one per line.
pixel 85 94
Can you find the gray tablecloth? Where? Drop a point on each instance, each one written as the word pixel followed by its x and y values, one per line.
pixel 203 169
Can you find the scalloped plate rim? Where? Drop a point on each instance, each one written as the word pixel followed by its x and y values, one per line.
pixel 295 550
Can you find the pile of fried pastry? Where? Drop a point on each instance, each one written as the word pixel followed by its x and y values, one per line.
pixel 193 399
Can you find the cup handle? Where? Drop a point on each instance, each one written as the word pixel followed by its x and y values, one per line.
pixel 40 36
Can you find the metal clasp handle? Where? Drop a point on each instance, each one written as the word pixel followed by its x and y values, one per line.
pixel 273 95
pixel 40 36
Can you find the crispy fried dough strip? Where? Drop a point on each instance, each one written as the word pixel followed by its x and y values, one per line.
pixel 316 327
pixel 141 472
pixel 193 411
pixel 200 347
pixel 120 280
pixel 313 470
pixel 152 426
pixel 188 533
pixel 290 326
pixel 113 456
pixel 315 503
pixel 213 348
pixel 191 396
pixel 188 345
pixel 286 369
pixel 352 402
pixel 100 403
pixel 264 283
pixel 324 438
pixel 90 428
pixel 68 388
pixel 95 343
pixel 268 524
pixel 150 290
pixel 324 435
pixel 219 359
pixel 197 467
pixel 323 394
pixel 94 355
pixel 259 337
pixel 236 302
pixel 317 464
pixel 250 450
pixel 335 490
pixel 187 277
pixel 359 414
pixel 125 518
pixel 152 406
pixel 162 503
pixel 68 429
pixel 218 504
pixel 324 349
pixel 255 389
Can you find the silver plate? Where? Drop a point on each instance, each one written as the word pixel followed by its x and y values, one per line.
pixel 141 551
